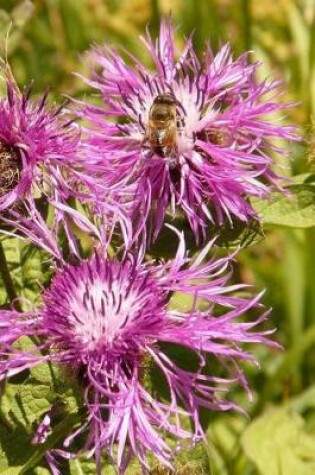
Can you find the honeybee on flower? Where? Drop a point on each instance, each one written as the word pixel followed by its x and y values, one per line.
pixel 193 135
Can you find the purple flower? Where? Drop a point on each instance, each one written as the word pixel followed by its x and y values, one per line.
pixel 41 157
pixel 38 146
pixel 196 135
pixel 35 140
pixel 113 321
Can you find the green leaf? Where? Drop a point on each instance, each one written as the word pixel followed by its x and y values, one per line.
pixel 279 445
pixel 305 400
pixel 296 210
pixel 10 471
pixel 27 397
pixel 290 362
pixel 223 435
pixel 28 267
pixel 59 433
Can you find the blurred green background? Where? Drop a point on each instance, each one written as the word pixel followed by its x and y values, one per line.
pixel 45 41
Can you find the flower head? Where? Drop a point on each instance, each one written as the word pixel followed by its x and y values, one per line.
pixel 38 146
pixel 195 135
pixel 41 157
pixel 110 318
pixel 34 140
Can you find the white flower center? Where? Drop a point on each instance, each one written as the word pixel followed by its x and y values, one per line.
pixel 99 312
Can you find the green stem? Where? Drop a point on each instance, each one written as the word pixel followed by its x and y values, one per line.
pixel 156 17
pixel 6 277
pixel 311 101
pixel 247 24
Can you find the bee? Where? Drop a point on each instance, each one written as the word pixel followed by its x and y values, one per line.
pixel 163 125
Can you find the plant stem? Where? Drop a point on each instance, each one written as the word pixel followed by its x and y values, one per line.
pixel 156 17
pixel 247 24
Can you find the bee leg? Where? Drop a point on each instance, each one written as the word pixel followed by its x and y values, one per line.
pixel 161 151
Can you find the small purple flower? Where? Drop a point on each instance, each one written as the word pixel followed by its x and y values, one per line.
pixel 38 146
pixel 41 157
pixel 35 140
pixel 196 135
pixel 111 320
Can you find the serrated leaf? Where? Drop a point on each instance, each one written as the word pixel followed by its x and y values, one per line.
pixel 296 210
pixel 278 444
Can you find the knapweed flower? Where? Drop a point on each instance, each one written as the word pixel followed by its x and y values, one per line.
pixel 195 135
pixel 40 157
pixel 34 140
pixel 114 320
pixel 38 146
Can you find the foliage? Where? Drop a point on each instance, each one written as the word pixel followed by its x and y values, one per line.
pixel 43 39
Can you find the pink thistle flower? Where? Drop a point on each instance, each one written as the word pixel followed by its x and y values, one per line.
pixel 195 135
pixel 35 140
pixel 110 318
pixel 38 147
pixel 40 157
